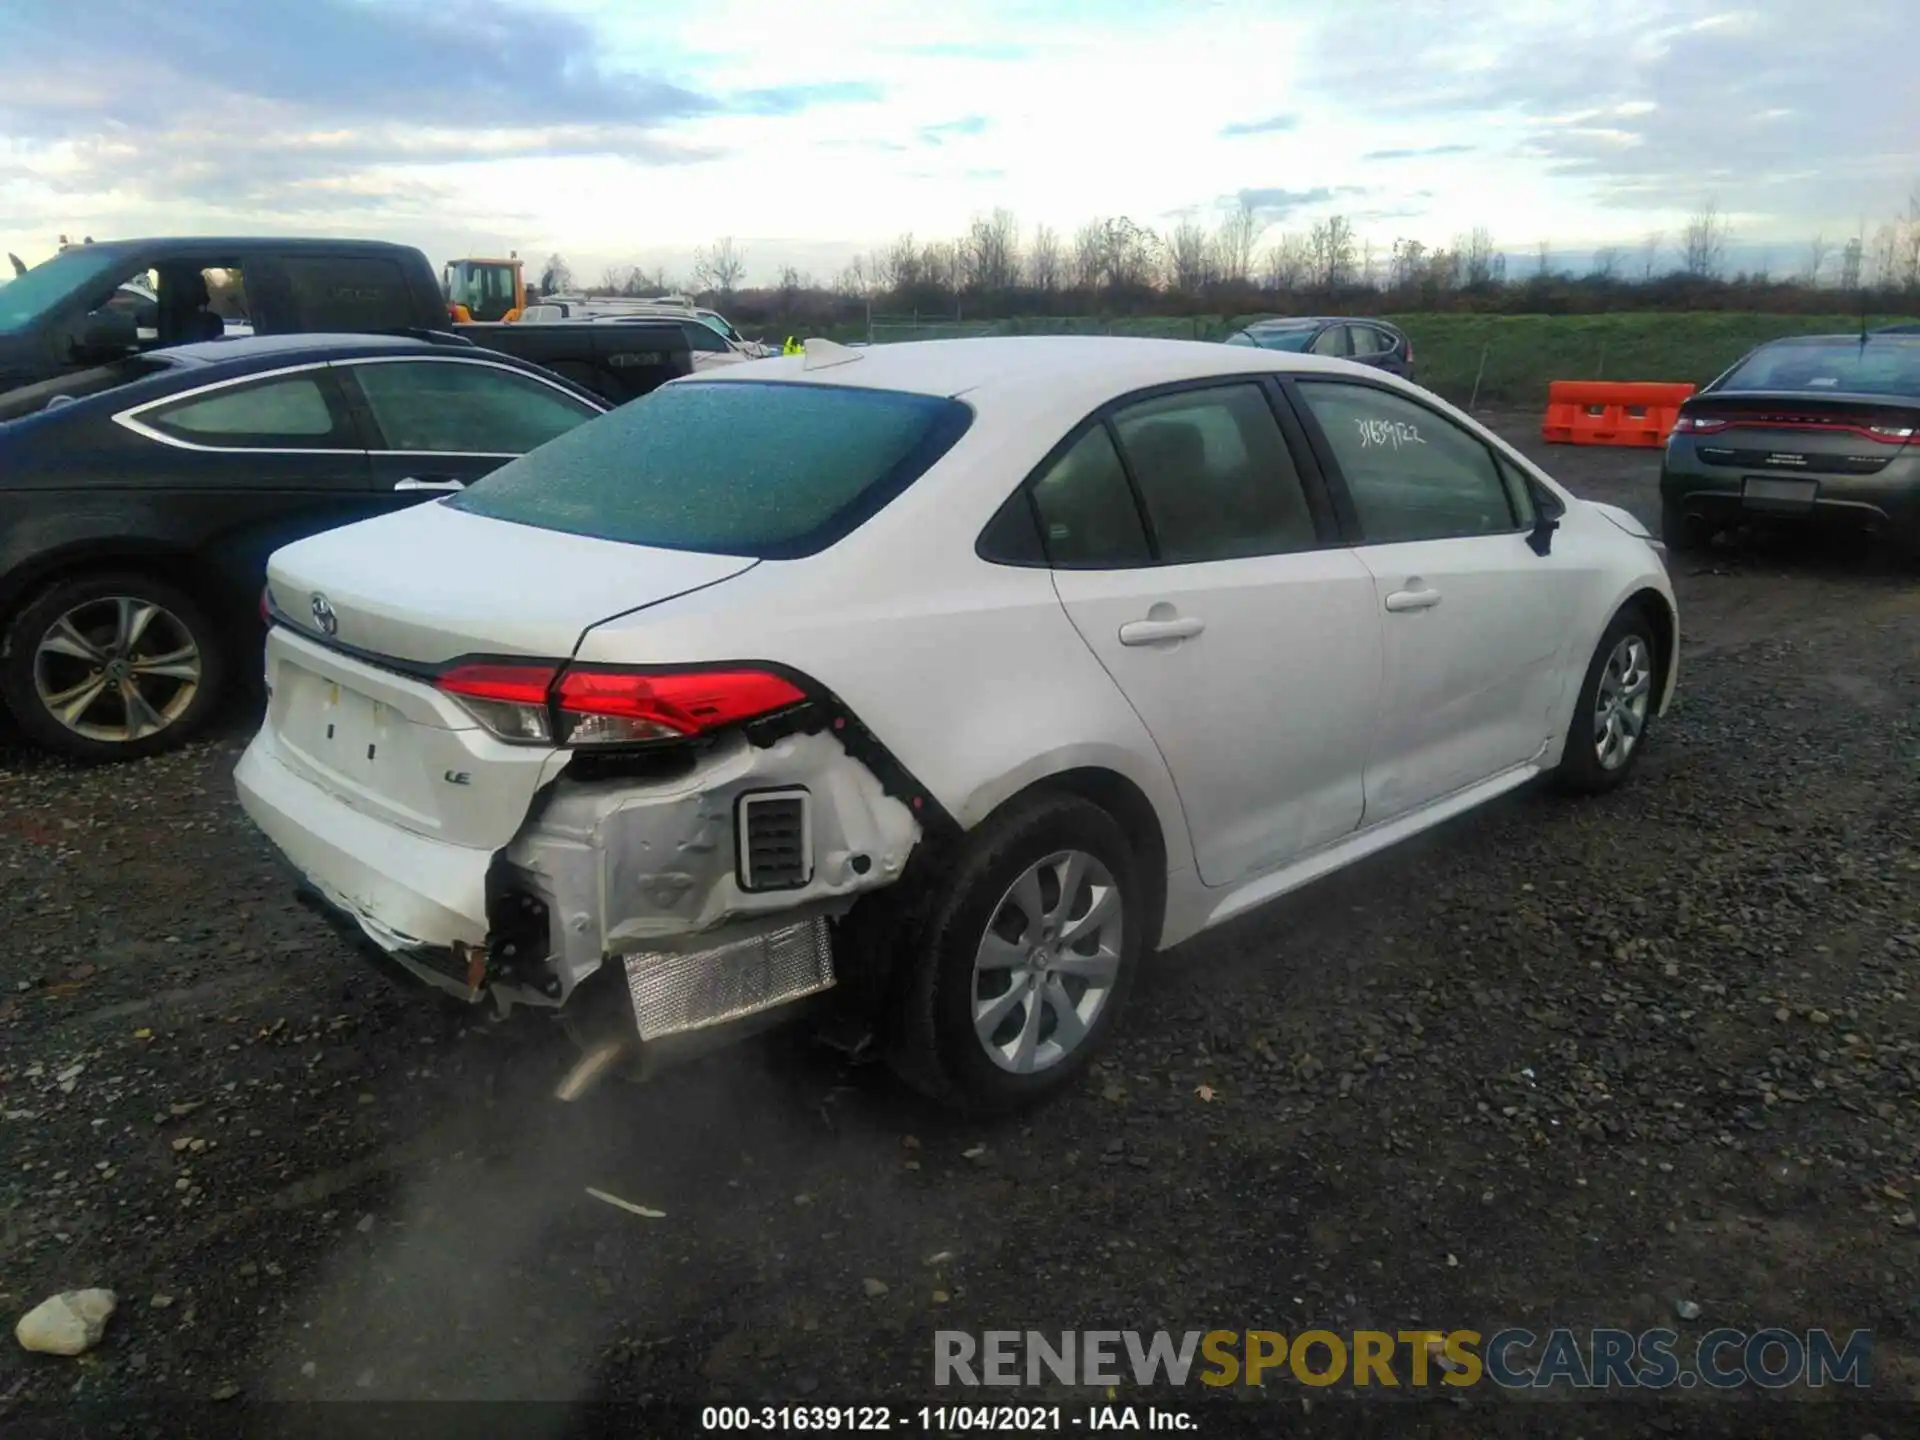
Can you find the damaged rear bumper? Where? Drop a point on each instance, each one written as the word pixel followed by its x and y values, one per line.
pixel 711 890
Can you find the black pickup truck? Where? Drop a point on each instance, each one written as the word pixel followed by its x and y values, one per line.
pixel 69 313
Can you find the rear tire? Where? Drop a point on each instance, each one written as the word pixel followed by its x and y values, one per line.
pixel 1683 534
pixel 1024 963
pixel 114 666
pixel 1614 714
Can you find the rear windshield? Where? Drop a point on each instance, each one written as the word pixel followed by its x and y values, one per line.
pixel 761 468
pixel 1296 340
pixel 1879 367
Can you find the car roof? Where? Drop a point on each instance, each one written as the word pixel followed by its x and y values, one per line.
pixel 305 346
pixel 1068 370
pixel 160 247
pixel 1301 322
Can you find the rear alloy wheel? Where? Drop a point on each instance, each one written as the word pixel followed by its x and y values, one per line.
pixel 1025 966
pixel 112 667
pixel 1615 710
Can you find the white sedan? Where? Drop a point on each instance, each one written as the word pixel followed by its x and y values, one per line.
pixel 953 677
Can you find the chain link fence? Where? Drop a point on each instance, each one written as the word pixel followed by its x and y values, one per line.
pixel 1486 361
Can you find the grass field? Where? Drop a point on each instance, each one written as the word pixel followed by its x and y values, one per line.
pixel 1520 353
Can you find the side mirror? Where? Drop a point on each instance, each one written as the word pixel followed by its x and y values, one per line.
pixel 106 332
pixel 1547 513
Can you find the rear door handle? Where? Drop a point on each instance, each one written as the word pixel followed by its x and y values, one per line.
pixel 1401 600
pixel 1148 632
pixel 414 483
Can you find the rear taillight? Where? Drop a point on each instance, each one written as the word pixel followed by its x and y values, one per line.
pixel 1894 434
pixel 525 703
pixel 266 606
pixel 1697 425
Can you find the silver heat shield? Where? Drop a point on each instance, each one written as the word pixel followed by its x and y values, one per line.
pixel 675 991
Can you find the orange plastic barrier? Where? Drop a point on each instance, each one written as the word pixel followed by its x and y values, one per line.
pixel 1611 412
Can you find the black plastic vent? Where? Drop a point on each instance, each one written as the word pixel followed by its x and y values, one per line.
pixel 776 840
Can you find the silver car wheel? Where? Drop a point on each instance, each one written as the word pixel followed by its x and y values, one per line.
pixel 1047 964
pixel 117 669
pixel 1620 704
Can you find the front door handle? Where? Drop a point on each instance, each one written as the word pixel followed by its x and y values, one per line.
pixel 1401 600
pixel 414 483
pixel 1149 632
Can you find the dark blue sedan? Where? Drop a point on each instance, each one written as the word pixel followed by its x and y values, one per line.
pixel 139 502
pixel 1365 342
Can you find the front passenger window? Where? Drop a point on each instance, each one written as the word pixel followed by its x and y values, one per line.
pixel 1332 343
pixel 1413 475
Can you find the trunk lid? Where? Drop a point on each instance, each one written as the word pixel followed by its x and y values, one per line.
pixel 1790 431
pixel 429 584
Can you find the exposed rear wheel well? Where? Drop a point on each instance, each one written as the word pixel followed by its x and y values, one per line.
pixel 1125 801
pixel 181 569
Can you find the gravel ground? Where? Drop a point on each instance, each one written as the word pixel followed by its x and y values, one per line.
pixel 1555 1064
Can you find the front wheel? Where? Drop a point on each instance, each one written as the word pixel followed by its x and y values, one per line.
pixel 112 667
pixel 1023 967
pixel 1615 709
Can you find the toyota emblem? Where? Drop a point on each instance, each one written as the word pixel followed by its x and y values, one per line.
pixel 324 617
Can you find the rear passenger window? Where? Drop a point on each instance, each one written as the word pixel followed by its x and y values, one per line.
pixel 1215 475
pixel 1088 520
pixel 1413 474
pixel 453 407
pixel 288 413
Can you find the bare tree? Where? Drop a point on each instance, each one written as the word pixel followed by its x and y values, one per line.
pixel 940 266
pixel 1650 253
pixel 720 268
pixel 555 276
pixel 903 264
pixel 1044 265
pixel 1130 254
pixel 1907 241
pixel 1233 244
pixel 1368 277
pixel 1332 244
pixel 792 284
pixel 1543 259
pixel 1815 260
pixel 1606 263
pixel 1475 250
pixel 1089 255
pixel 992 253
pixel 613 279
pixel 1189 258
pixel 1287 263
pixel 1703 243
pixel 1406 264
pixel 852 281
pixel 1851 255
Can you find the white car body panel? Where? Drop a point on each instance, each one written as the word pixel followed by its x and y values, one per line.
pixel 1289 639
pixel 1286 739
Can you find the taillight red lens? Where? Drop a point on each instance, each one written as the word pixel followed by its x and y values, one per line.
pixel 1697 425
pixel 611 706
pixel 266 606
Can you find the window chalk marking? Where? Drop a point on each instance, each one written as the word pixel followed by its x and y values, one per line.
pixel 1387 433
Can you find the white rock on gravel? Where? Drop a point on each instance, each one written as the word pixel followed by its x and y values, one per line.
pixel 70 1323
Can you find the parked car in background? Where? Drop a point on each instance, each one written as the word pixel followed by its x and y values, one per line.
pixel 960 674
pixel 1810 430
pixel 139 502
pixel 1366 342
pixel 84 308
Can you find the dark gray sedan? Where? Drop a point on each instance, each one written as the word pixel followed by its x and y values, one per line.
pixel 1365 342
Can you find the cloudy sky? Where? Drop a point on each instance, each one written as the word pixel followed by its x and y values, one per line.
pixel 618 132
